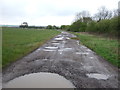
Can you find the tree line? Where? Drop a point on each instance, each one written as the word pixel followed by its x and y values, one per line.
pixel 25 25
pixel 103 22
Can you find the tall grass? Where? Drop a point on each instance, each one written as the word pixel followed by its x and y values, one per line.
pixel 105 47
pixel 18 42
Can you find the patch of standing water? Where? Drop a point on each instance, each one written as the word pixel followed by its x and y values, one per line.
pixel 98 76
pixel 83 47
pixel 39 80
pixel 48 50
pixel 82 53
pixel 91 57
pixel 60 38
pixel 51 47
pixel 66 49
pixel 78 43
pixel 67 38
pixel 38 50
pixel 88 50
pixel 56 43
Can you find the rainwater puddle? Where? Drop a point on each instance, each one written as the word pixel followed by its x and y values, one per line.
pixel 88 67
pixel 91 57
pixel 60 38
pixel 40 80
pixel 98 76
pixel 66 49
pixel 88 50
pixel 56 43
pixel 67 38
pixel 59 35
pixel 82 53
pixel 38 50
pixel 78 43
pixel 51 47
pixel 83 47
pixel 48 50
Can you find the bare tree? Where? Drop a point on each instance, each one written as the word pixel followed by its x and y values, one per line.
pixel 82 15
pixel 103 13
pixel 116 13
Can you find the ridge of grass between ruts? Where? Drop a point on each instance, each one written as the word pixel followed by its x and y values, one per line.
pixel 105 47
pixel 18 42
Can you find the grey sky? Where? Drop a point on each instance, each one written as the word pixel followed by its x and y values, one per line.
pixel 48 12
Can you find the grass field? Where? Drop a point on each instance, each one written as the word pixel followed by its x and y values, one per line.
pixel 105 47
pixel 0 48
pixel 19 42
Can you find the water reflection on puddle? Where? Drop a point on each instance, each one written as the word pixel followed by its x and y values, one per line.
pixel 56 43
pixel 51 47
pixel 98 76
pixel 82 53
pixel 59 38
pixel 48 50
pixel 39 80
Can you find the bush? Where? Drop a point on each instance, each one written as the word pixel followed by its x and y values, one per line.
pixel 114 25
pixel 91 27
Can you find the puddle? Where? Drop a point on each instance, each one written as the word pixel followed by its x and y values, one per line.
pixel 78 43
pixel 51 47
pixel 82 53
pixel 98 76
pixel 60 38
pixel 64 42
pixel 39 80
pixel 56 43
pixel 88 68
pixel 59 35
pixel 83 47
pixel 38 50
pixel 45 59
pixel 67 38
pixel 88 50
pixel 66 49
pixel 48 50
pixel 91 57
pixel 60 52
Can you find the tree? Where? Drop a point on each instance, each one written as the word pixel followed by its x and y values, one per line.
pixel 55 27
pixel 49 27
pixel 102 14
pixel 116 13
pixel 24 25
pixel 64 27
pixel 81 15
pixel 82 19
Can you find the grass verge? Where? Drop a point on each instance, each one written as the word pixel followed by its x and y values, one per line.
pixel 105 47
pixel 17 42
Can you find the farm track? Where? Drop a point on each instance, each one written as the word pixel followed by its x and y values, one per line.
pixel 66 57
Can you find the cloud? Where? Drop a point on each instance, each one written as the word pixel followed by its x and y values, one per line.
pixel 44 12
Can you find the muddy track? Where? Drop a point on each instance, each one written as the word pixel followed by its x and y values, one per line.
pixel 66 57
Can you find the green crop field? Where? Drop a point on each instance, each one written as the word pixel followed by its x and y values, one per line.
pixel 17 42
pixel 105 47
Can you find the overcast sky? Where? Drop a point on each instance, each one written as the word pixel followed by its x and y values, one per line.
pixel 48 12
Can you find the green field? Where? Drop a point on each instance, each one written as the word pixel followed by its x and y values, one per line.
pixel 17 42
pixel 105 47
pixel 0 48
